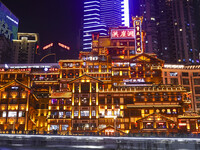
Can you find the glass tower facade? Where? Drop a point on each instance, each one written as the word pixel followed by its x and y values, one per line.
pixel 100 15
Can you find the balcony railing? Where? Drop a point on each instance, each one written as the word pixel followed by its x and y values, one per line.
pixel 145 89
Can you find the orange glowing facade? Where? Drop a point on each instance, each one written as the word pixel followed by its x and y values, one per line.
pixel 115 88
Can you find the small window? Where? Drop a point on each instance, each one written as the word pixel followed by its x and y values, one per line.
pixel 61 114
pixel 42 106
pixel 131 43
pixel 185 81
pixel 4 114
pixel 197 98
pixel 65 127
pixel 198 105
pixel 196 81
pixel 116 100
pixel 85 113
pixel 93 113
pixel 68 114
pixel 54 101
pixel 197 90
pixel 187 89
pixel 185 74
pixel 12 114
pixel 54 127
pixel 173 74
pixel 102 100
pixel 109 100
pixel 75 113
pixel 166 81
pixel 132 52
pixel 196 74
pixel 174 81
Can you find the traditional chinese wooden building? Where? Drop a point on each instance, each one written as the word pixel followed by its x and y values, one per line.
pixel 115 88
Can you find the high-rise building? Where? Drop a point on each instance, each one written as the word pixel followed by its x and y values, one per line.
pixel 8 31
pixel 8 23
pixel 171 29
pixel 100 15
pixel 25 48
pixel 185 30
pixel 5 50
pixel 148 11
pixel 114 13
pixel 91 23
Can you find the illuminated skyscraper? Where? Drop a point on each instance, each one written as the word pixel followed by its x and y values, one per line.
pixel 100 15
pixel 91 23
pixel 114 13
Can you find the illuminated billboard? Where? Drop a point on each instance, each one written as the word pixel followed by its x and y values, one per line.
pixel 8 23
pixel 123 34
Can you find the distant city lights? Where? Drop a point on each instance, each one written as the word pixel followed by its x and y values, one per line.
pixel 47 46
pixel 59 44
pixel 64 46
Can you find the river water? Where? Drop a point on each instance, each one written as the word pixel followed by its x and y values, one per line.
pixel 41 142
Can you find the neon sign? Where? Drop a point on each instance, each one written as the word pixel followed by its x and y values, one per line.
pixel 138 35
pixel 48 46
pixel 122 34
pixel 134 80
pixel 64 46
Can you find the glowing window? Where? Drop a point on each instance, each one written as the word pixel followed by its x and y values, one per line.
pixel 12 114
pixel 4 114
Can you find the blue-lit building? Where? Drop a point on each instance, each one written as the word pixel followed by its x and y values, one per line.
pixel 91 23
pixel 100 15
pixel 114 13
pixel 8 32
pixel 8 23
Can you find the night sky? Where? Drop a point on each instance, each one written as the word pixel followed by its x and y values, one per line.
pixel 54 20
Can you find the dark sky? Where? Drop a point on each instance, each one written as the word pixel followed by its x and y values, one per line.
pixel 54 20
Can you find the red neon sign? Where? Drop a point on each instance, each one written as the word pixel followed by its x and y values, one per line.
pixel 64 46
pixel 122 34
pixel 48 46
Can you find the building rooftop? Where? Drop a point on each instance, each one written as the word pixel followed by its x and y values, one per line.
pixel 23 66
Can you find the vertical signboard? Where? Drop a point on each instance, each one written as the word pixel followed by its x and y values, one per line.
pixel 138 35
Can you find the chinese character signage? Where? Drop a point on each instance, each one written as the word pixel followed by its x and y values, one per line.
pixel 122 34
pixel 134 80
pixel 138 36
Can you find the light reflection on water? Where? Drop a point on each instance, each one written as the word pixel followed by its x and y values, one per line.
pixel 80 147
pixel 40 142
